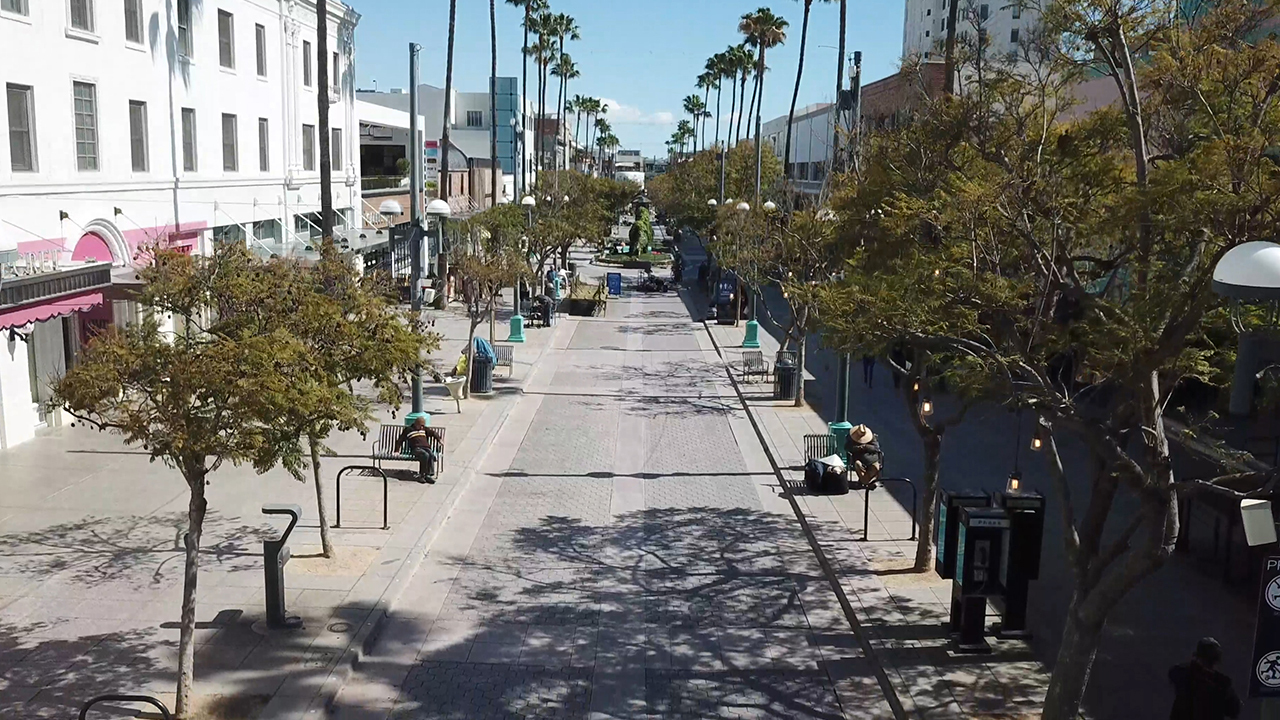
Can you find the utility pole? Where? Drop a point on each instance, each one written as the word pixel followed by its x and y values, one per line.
pixel 855 132
pixel 416 235
pixel 841 427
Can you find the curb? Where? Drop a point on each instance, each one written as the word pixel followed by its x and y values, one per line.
pixel 833 578
pixel 366 638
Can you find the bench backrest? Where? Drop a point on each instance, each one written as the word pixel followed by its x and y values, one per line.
pixel 389 436
pixel 819 446
pixel 504 353
pixel 753 358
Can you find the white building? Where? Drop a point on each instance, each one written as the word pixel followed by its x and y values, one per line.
pixel 811 144
pixel 151 121
pixel 925 30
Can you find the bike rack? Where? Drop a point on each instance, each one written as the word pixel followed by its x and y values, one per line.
pixel 338 488
pixel 866 505
pixel 164 711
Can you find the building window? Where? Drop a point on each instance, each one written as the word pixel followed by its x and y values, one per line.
pixel 22 139
pixel 82 15
pixel 138 135
pixel 1017 11
pixel 264 145
pixel 189 139
pixel 475 118
pixel 133 21
pixel 306 63
pixel 184 28
pixel 335 148
pixel 260 40
pixel 337 73
pixel 230 153
pixel 226 39
pixel 926 33
pixel 983 12
pixel 309 147
pixel 1013 36
pixel 17 7
pixel 85 98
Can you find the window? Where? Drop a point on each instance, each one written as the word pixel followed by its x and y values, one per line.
pixel 85 97
pixel 226 39
pixel 1013 36
pixel 189 139
pixel 333 79
pixel 309 147
pixel 1017 11
pixel 928 12
pixel 260 37
pixel 306 63
pixel 22 145
pixel 475 118
pixel 335 149
pixel 184 28
pixel 264 145
pixel 138 135
pixel 230 153
pixel 983 12
pixel 133 21
pixel 17 7
pixel 82 15
pixel 926 33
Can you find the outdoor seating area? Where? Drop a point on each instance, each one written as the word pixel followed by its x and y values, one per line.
pixel 387 447
pixel 754 366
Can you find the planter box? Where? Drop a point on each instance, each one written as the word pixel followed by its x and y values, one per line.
pixel 585 308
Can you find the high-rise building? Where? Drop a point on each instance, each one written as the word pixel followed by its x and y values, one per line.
pixel 925 30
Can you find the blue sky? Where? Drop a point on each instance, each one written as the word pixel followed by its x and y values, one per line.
pixel 643 54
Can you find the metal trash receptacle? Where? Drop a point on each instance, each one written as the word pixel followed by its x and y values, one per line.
pixel 786 376
pixel 482 375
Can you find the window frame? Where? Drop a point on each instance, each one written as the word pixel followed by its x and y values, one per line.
pixel 145 139
pixel 137 26
pixel 234 147
pixel 478 114
pixel 1013 36
pixel 308 148
pixel 23 11
pixel 227 43
pixel 1017 10
pixel 334 84
pixel 306 64
pixel 264 145
pixel 260 49
pixel 29 100
pixel 90 17
pixel 190 160
pixel 335 149
pixel 186 48
pixel 96 158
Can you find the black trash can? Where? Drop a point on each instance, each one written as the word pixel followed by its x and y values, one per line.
pixel 482 375
pixel 786 376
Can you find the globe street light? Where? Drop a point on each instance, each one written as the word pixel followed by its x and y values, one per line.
pixel 742 206
pixel 439 211
pixel 712 202
pixel 770 206
pixel 517 321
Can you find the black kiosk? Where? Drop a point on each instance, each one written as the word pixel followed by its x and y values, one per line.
pixel 980 541
pixel 1025 510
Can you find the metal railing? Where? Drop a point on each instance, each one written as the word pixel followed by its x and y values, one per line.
pixel 866 504
pixel 337 520
pixel 164 711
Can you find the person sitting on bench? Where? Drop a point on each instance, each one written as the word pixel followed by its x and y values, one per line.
pixel 863 451
pixel 417 438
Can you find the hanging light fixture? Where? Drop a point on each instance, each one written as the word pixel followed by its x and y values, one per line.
pixel 1037 441
pixel 926 407
pixel 1015 483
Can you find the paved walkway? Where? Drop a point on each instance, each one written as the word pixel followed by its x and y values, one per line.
pixel 625 553
pixel 91 565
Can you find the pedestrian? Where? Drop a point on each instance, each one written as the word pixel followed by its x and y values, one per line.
pixel 868 368
pixel 460 367
pixel 703 270
pixel 863 452
pixel 899 358
pixel 1201 692
pixel 419 440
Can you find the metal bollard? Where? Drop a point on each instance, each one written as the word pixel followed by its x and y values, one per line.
pixel 274 556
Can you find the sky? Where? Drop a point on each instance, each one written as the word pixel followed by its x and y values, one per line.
pixel 643 56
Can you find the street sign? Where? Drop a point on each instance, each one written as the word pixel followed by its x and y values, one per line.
pixel 1264 680
pixel 431 161
pixel 614 280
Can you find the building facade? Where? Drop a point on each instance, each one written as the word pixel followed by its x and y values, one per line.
pixel 925 29
pixel 812 144
pixel 152 122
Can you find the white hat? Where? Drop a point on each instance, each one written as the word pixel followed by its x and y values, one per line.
pixel 861 434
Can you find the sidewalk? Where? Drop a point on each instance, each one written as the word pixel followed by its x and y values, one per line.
pixel 91 562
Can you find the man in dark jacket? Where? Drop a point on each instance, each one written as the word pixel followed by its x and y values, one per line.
pixel 1200 691
pixel 862 451
pixel 418 440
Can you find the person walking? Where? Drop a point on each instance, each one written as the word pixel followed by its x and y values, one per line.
pixel 1201 692
pixel 899 357
pixel 868 368
pixel 418 440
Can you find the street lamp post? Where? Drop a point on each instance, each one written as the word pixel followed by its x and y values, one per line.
pixel 415 226
pixel 752 337
pixel 517 321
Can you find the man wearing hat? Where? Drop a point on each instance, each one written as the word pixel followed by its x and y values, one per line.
pixel 863 451
pixel 1201 692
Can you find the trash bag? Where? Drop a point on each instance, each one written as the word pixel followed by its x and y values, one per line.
pixel 485 350
pixel 813 471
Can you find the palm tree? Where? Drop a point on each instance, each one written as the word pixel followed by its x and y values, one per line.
pixel 746 64
pixel 602 129
pixel 795 94
pixel 448 106
pixel 530 7
pixel 566 28
pixel 763 30
pixel 566 69
pixel 601 109
pixel 732 61
pixel 542 53
pixel 495 176
pixel 706 81
pixel 685 132
pixel 715 68
pixel 694 107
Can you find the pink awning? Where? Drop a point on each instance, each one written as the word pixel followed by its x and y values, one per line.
pixel 38 312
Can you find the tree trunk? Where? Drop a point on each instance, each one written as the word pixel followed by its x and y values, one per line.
pixel 496 178
pixel 742 103
pixel 471 355
pixel 795 94
pixel 751 107
pixel 322 107
pixel 800 353
pixel 196 508
pixel 444 188
pixel 524 108
pixel 1071 668
pixel 493 331
pixel 733 110
pixel 835 125
pixel 719 90
pixel 326 546
pixel 953 17
pixel 706 98
pixel 924 540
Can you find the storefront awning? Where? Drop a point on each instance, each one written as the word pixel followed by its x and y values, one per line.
pixel 38 312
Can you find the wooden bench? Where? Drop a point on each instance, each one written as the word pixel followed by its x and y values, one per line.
pixel 754 365
pixel 505 357
pixel 387 447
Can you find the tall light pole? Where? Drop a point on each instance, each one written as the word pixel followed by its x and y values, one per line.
pixel 517 321
pixel 415 223
pixel 752 337
pixel 438 211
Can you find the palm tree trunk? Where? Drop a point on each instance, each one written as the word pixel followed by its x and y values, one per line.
pixel 733 111
pixel 751 108
pixel 706 100
pixel 322 108
pixel 496 174
pixel 196 507
pixel 835 125
pixel 448 106
pixel 577 133
pixel 953 17
pixel 524 107
pixel 742 104
pixel 759 147
pixel 326 545
pixel 718 92
pixel 795 94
